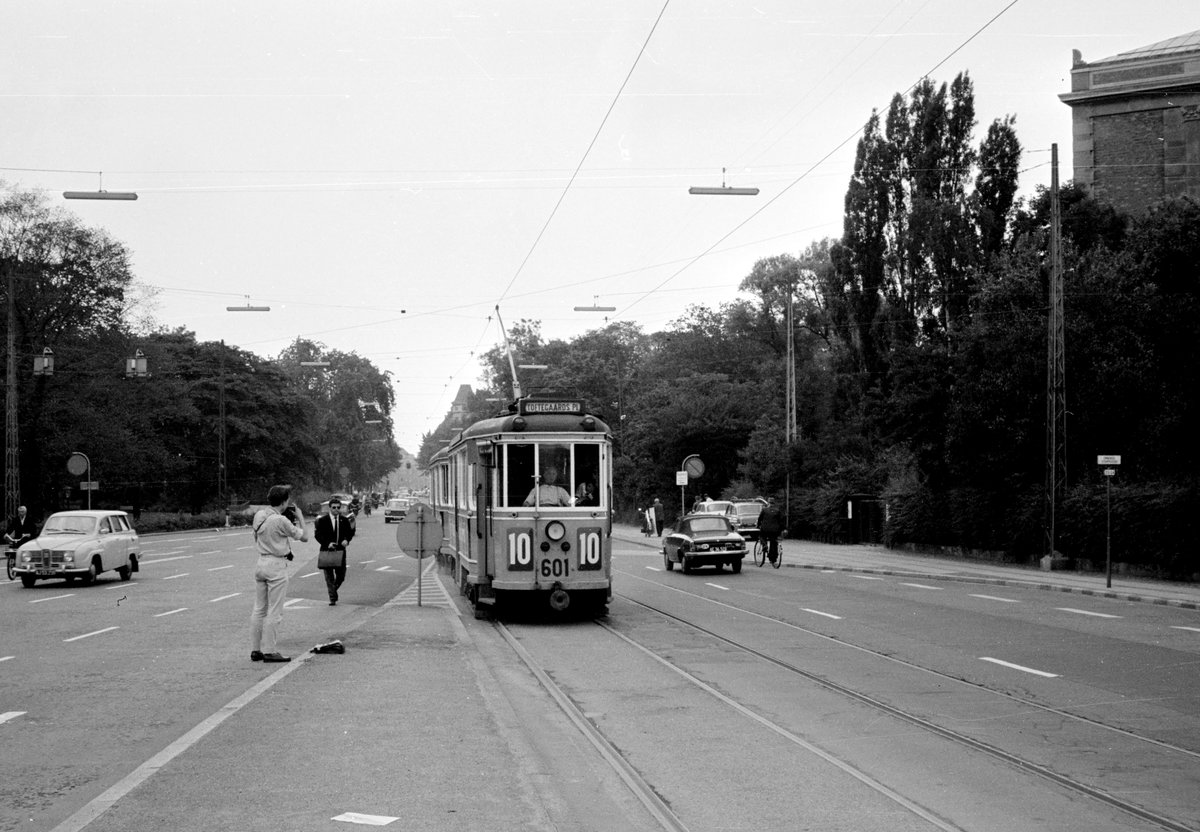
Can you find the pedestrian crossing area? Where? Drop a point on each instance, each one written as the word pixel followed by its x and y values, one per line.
pixel 433 592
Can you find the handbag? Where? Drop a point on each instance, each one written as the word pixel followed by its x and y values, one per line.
pixel 331 558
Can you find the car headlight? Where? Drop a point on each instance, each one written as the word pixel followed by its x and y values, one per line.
pixel 556 531
pixel 68 557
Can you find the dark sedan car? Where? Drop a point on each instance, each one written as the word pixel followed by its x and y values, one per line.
pixel 704 540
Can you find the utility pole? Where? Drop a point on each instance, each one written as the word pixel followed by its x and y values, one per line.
pixel 1056 396
pixel 12 451
pixel 791 433
pixel 222 481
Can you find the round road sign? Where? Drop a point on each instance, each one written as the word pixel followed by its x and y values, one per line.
pixel 694 466
pixel 77 464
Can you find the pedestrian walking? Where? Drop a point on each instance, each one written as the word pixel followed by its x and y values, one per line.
pixel 657 510
pixel 333 532
pixel 273 536
pixel 770 526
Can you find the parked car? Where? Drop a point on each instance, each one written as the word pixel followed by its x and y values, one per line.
pixel 395 509
pixel 712 507
pixel 703 540
pixel 744 515
pixel 344 499
pixel 80 544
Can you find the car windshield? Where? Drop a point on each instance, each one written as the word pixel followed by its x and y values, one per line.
pixel 70 525
pixel 708 524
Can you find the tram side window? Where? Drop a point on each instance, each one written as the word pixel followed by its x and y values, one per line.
pixel 517 474
pixel 586 487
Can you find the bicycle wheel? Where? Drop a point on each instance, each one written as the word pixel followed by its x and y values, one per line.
pixel 760 552
pixel 12 562
pixel 778 555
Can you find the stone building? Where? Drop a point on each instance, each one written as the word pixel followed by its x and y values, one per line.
pixel 1136 123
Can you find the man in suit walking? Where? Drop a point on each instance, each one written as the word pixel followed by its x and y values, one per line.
pixel 333 532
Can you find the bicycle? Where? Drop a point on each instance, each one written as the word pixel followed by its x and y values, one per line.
pixel 11 558
pixel 760 553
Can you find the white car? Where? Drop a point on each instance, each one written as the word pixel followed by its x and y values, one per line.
pixel 80 544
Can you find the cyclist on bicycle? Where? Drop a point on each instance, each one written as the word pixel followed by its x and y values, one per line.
pixel 770 526
pixel 20 528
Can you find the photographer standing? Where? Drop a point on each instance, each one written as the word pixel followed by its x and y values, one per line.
pixel 333 532
pixel 273 536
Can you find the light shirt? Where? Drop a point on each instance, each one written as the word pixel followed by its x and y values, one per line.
pixel 273 533
pixel 549 495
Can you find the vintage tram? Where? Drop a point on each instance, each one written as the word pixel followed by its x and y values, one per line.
pixel 525 505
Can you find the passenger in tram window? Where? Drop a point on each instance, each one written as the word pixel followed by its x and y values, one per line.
pixel 585 494
pixel 548 492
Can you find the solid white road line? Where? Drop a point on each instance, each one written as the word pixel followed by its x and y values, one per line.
pixel 162 560
pixel 172 612
pixel 1022 668
pixel 51 598
pixel 997 598
pixel 1086 612
pixel 8 715
pixel 923 586
pixel 825 614
pixel 89 635
pixel 224 597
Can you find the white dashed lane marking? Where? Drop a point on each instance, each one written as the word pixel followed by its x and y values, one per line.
pixel 219 568
pixel 716 586
pixel 89 635
pixel 10 715
pixel 923 586
pixel 997 598
pixel 823 614
pixel 172 612
pixel 1189 629
pixel 51 598
pixel 1087 612
pixel 1019 667
pixel 224 597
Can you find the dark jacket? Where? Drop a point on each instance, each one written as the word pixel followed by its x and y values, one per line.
pixel 770 521
pixel 323 531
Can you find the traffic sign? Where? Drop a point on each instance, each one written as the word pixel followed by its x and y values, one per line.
pixel 694 466
pixel 681 477
pixel 1108 459
pixel 89 486
pixel 77 463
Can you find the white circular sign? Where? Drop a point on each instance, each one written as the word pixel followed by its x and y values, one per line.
pixel 77 464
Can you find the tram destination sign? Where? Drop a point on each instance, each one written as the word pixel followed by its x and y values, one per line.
pixel 572 407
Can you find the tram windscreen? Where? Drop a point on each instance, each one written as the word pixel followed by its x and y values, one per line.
pixel 566 474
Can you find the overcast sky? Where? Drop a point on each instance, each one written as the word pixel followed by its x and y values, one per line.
pixel 383 173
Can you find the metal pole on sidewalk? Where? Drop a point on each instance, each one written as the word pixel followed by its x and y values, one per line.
pixel 1108 529
pixel 420 550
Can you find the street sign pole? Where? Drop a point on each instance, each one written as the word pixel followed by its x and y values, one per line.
pixel 1109 473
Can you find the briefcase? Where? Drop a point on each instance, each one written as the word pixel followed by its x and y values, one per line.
pixel 331 558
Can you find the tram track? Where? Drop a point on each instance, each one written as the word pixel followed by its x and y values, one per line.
pixel 1071 784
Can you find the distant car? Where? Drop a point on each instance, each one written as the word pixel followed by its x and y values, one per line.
pixel 395 509
pixel 343 498
pixel 744 515
pixel 80 544
pixel 704 540
pixel 712 507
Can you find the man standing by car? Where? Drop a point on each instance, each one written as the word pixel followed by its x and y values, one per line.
pixel 770 525
pixel 273 534
pixel 333 532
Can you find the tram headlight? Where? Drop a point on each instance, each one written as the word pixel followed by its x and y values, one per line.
pixel 556 531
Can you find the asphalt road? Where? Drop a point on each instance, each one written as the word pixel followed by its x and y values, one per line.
pixel 772 699
pixel 96 679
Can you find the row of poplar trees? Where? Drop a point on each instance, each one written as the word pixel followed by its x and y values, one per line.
pixel 920 357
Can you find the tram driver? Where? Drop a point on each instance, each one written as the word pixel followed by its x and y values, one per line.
pixel 548 492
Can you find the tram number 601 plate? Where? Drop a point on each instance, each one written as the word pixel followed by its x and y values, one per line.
pixel 555 568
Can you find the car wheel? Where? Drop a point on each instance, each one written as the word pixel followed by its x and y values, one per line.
pixel 90 577
pixel 736 565
pixel 687 564
pixel 667 562
pixel 125 572
pixel 28 581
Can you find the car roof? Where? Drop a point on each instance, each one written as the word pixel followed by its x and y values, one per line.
pixel 94 513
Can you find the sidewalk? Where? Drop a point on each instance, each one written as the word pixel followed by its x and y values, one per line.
pixel 876 559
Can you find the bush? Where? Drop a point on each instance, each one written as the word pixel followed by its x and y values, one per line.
pixel 163 521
